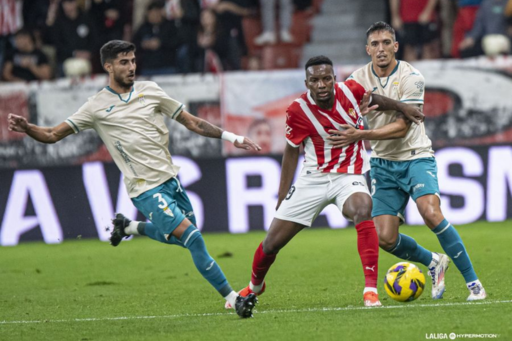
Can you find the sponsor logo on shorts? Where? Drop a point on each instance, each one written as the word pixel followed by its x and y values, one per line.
pixel 418 186
pixel 290 193
pixel 357 183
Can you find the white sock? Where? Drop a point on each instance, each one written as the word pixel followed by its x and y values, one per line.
pixel 256 288
pixel 132 227
pixel 435 260
pixel 368 289
pixel 231 298
pixel 474 283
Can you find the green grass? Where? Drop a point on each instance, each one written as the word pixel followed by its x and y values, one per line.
pixel 76 290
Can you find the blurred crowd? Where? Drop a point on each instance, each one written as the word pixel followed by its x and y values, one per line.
pixel 47 39
pixel 431 29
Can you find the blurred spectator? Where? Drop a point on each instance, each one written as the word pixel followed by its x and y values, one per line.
pixel 466 15
pixel 448 13
pixel 110 19
pixel 416 20
pixel 26 62
pixel 184 14
pixel 230 14
pixel 304 5
pixel 34 13
pixel 490 19
pixel 72 32
pixel 10 22
pixel 156 42
pixel 217 50
pixel 268 15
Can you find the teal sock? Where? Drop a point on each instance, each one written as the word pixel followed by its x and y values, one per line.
pixel 454 247
pixel 407 248
pixel 193 240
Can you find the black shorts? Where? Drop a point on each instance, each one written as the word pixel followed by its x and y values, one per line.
pixel 417 34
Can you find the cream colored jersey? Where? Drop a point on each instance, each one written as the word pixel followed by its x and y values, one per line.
pixel 133 129
pixel 405 84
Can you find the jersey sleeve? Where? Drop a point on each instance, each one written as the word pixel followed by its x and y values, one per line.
pixel 168 106
pixel 82 119
pixel 296 129
pixel 413 88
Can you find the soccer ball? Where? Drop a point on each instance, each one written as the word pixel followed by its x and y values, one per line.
pixel 404 282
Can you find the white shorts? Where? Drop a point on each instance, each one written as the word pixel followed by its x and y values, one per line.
pixel 313 192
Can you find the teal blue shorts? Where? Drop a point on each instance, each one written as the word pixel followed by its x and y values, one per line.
pixel 393 182
pixel 166 206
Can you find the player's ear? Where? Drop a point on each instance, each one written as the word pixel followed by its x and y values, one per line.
pixel 108 67
pixel 396 47
pixel 368 50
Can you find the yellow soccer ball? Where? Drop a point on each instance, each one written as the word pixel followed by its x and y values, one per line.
pixel 404 282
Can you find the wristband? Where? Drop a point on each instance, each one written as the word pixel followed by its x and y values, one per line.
pixel 226 135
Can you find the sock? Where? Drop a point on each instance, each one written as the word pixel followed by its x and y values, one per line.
pixel 370 290
pixel 454 247
pixel 260 265
pixel 231 298
pixel 256 288
pixel 407 249
pixel 368 248
pixel 205 264
pixel 132 227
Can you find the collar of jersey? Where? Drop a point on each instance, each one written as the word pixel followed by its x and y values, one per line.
pixel 115 93
pixel 387 80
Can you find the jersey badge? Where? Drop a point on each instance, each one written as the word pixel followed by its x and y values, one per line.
pixel 352 112
pixel 110 109
pixel 142 99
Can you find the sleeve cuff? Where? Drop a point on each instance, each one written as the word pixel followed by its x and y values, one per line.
pixel 72 125
pixel 292 144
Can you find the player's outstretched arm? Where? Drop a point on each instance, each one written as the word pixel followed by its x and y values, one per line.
pixel 205 128
pixel 394 130
pixel 412 112
pixel 41 134
pixel 289 166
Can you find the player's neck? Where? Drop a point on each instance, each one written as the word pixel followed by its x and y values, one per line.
pixel 326 106
pixel 385 72
pixel 119 88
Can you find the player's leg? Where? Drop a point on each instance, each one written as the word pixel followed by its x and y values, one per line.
pixel 429 206
pixel 389 202
pixel 357 207
pixel 164 206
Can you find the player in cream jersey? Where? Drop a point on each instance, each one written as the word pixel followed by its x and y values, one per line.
pixel 129 118
pixel 141 154
pixel 405 84
pixel 403 165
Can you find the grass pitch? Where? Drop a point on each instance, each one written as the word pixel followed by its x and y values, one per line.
pixel 144 290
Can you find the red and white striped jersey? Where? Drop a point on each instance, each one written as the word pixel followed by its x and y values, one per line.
pixel 309 125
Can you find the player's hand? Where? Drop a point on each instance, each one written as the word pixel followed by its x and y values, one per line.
pixel 364 107
pixel 413 113
pixel 247 145
pixel 17 123
pixel 424 17
pixel 343 138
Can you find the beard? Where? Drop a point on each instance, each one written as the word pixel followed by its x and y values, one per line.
pixel 122 82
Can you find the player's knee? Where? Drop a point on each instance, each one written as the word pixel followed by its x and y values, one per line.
pixel 387 240
pixel 362 213
pixel 271 247
pixel 432 216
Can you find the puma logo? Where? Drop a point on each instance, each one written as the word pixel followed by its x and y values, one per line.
pixel 372 268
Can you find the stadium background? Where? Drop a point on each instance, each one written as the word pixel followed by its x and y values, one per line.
pixel 71 189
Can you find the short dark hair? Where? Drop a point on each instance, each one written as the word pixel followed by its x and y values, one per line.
pixel 113 48
pixel 318 60
pixel 156 4
pixel 381 26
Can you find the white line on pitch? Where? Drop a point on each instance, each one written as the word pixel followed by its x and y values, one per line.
pixel 281 311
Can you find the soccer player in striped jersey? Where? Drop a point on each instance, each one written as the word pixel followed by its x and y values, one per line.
pixel 329 175
pixel 403 165
pixel 129 117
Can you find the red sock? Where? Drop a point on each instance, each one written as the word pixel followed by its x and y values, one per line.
pixel 368 248
pixel 260 265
